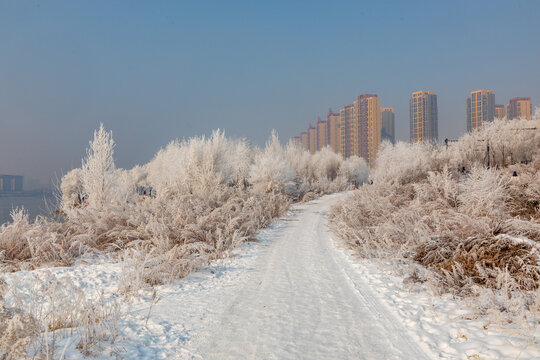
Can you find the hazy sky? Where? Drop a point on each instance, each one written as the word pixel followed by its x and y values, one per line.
pixel 153 71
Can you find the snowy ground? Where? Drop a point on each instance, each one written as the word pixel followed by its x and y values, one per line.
pixel 296 294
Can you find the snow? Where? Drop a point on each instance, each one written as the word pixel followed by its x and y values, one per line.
pixel 448 328
pixel 295 294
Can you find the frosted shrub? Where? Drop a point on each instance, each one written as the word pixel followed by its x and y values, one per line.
pixel 194 201
pixel 509 141
pixel 475 229
pixel 353 171
pixel 17 331
pixel 271 169
pixel 325 171
pixel 199 166
pixel 11 245
pixel 402 163
pixel 71 189
pixel 33 323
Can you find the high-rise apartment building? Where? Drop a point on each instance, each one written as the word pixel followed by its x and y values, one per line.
pixel 304 138
pixel 500 112
pixel 360 128
pixel 312 134
pixel 322 134
pixel 345 129
pixel 520 108
pixel 423 116
pixel 355 135
pixel 332 125
pixel 355 130
pixel 387 125
pixel 369 123
pixel 480 108
pixel 297 141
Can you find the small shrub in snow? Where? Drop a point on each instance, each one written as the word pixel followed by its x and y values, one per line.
pixel 32 324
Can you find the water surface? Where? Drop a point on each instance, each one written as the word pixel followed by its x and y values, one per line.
pixel 35 205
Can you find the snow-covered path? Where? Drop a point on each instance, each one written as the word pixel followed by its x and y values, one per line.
pixel 303 301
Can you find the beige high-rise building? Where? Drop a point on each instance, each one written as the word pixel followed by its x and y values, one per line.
pixel 322 134
pixel 332 125
pixel 369 127
pixel 388 125
pixel 345 130
pixel 356 130
pixel 312 134
pixel 354 135
pixel 500 112
pixel 520 108
pixel 297 141
pixel 360 128
pixel 423 116
pixel 480 108
pixel 304 138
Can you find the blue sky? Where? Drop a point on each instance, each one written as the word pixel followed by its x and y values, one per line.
pixel 155 71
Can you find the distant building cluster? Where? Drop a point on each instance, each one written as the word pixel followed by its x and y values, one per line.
pixel 11 183
pixel 481 108
pixel 356 129
pixel 359 129
pixel 519 107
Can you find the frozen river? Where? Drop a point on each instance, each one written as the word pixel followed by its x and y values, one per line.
pixel 35 205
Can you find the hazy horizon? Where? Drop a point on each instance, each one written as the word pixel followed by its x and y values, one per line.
pixel 155 72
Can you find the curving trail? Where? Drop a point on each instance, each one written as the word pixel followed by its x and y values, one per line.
pixel 303 300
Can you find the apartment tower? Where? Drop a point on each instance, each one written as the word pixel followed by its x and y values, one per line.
pixel 304 140
pixel 423 116
pixel 345 129
pixel 332 126
pixel 500 112
pixel 387 125
pixel 312 134
pixel 369 124
pixel 520 108
pixel 322 134
pixel 297 141
pixel 480 108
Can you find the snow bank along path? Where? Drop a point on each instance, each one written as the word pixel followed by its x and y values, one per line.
pixel 303 300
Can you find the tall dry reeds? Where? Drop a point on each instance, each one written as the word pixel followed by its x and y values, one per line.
pixel 197 199
pixel 470 226
pixel 194 202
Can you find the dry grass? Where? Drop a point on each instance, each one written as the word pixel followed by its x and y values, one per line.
pixel 212 193
pixel 207 196
pixel 478 229
pixel 48 311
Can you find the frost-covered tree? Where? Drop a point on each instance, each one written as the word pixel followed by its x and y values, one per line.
pixel 97 171
pixel 271 169
pixel 199 165
pixel 354 171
